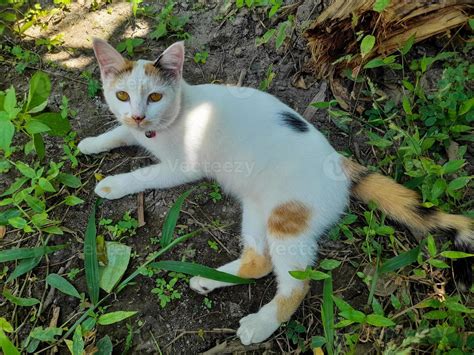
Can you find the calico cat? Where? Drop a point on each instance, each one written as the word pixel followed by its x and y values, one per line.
pixel 290 181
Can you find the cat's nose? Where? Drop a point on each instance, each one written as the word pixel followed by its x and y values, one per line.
pixel 137 118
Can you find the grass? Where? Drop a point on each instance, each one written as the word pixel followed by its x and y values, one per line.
pixel 405 303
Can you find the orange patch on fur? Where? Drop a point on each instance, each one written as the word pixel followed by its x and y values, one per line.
pixel 254 265
pixel 106 189
pixel 126 69
pixel 289 219
pixel 151 70
pixel 352 169
pixel 287 305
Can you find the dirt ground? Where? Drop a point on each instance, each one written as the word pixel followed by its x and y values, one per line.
pixel 186 325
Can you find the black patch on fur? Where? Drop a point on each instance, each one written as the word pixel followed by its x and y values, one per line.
pixel 294 122
pixel 425 212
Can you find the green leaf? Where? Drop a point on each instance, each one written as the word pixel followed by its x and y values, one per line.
pixel 456 254
pixel 25 170
pixel 40 89
pixel 317 341
pixel 35 203
pixel 38 143
pixel 265 38
pixel 72 200
pixel 17 222
pixel 9 103
pixel 375 63
pixel 327 315
pixel 15 186
pixel 77 342
pixel 172 218
pixel 453 166
pixel 104 346
pixel 7 131
pixel 408 44
pixel 400 261
pixel 435 315
pixel 19 301
pixel 431 246
pixel 280 38
pixel 59 126
pixel 118 256
pixel 406 105
pixel 69 180
pixel 199 270
pixel 63 285
pixel 114 317
pixel 45 334
pixel 466 106
pixel 46 185
pixel 25 253
pixel 458 183
pixel 379 321
pixel 353 315
pixel 23 267
pixel 34 126
pixel 438 263
pixel 367 44
pixel 6 345
pixel 438 188
pixel 91 262
pixel 329 264
pixel 53 230
pixel 381 5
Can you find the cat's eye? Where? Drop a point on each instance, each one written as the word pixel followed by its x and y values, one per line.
pixel 155 97
pixel 122 96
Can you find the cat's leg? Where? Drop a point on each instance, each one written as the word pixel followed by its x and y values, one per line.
pixel 254 262
pixel 292 246
pixel 158 176
pixel 118 137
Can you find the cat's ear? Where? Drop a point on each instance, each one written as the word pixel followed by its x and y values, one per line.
pixel 110 61
pixel 172 60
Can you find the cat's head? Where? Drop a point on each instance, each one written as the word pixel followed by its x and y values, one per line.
pixel 144 95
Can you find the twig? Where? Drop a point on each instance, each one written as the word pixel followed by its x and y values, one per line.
pixel 141 209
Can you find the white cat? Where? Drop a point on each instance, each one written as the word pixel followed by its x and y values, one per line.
pixel 291 183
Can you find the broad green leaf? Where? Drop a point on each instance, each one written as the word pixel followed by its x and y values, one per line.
pixel 367 44
pixel 40 89
pixel 435 315
pixel 63 285
pixel 408 44
pixel 341 304
pixel 72 200
pixel 46 334
pixel 24 253
pixel 104 346
pixel 329 264
pixel 456 254
pixel 118 256
pixel 25 170
pixel 114 317
pixel 400 261
pixel 379 321
pixel 431 245
pixel 35 203
pixel 69 180
pixel 7 131
pixel 23 267
pixel 406 105
pixel 91 262
pixel 353 315
pixel 466 106
pixel 381 5
pixel 281 35
pixel 17 222
pixel 317 342
pixel 453 166
pixel 34 126
pixel 38 143
pixel 374 63
pixel 46 185
pixel 438 188
pixel 9 102
pixel 458 183
pixel 438 263
pixel 53 230
pixel 199 270
pixel 172 218
pixel 6 345
pixel 19 301
pixel 15 186
pixel 59 126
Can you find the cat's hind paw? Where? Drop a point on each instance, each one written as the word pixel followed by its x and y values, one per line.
pixel 256 328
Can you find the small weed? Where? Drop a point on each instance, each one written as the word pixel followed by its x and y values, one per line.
pixel 93 85
pixel 295 331
pixel 213 245
pixel 51 43
pixel 165 290
pixel 72 274
pixel 201 57
pixel 272 5
pixel 168 24
pixel 207 303
pixel 267 81
pixel 126 227
pixel 129 45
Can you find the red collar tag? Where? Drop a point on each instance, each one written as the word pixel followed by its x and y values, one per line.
pixel 150 134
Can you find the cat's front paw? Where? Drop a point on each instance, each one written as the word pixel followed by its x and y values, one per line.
pixel 203 286
pixel 89 146
pixel 256 327
pixel 112 187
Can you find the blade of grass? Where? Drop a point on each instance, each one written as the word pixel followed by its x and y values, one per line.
pixel 327 315
pixel 199 270
pixel 91 262
pixel 23 267
pixel 400 261
pixel 25 253
pixel 172 218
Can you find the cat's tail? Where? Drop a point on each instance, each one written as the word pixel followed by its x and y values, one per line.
pixel 404 206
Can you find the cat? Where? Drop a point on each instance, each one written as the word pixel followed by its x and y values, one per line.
pixel 290 181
